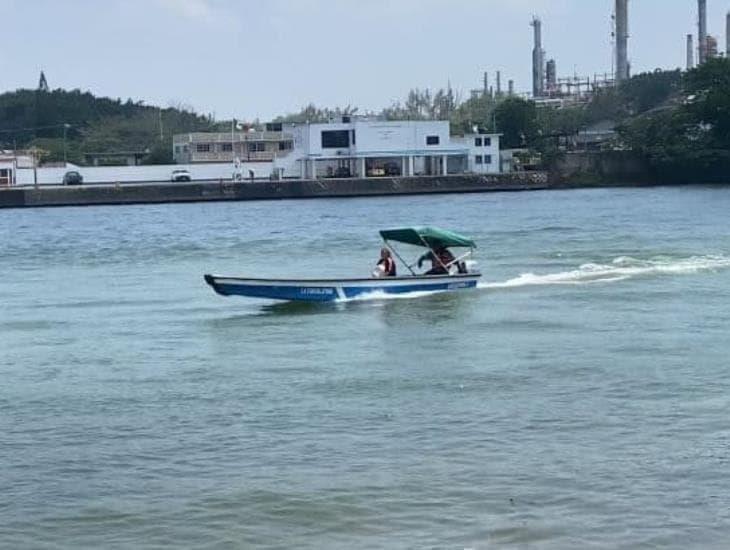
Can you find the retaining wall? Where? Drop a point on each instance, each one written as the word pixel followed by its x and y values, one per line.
pixel 265 190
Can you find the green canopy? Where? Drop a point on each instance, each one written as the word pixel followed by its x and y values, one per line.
pixel 431 237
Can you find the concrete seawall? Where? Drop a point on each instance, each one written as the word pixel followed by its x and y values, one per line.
pixel 142 193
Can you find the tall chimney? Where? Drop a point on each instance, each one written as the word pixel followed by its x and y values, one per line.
pixel 538 60
pixel 499 83
pixel 690 52
pixel 511 88
pixel 622 40
pixel 727 35
pixel 486 83
pixel 702 28
pixel 551 76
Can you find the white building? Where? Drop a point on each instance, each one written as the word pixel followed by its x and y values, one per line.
pixel 484 152
pixel 350 147
pixel 372 148
pixel 13 163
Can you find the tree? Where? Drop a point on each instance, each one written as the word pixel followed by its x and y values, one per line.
pixel 708 99
pixel 517 122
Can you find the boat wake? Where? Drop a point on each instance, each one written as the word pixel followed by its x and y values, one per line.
pixel 379 295
pixel 620 269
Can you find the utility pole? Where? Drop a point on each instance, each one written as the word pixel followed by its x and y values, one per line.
pixel 65 130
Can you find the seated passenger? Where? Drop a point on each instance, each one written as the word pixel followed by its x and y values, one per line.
pixel 441 260
pixel 386 264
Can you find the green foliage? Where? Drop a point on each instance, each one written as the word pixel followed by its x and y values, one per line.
pixel 647 91
pixel 635 96
pixel 53 149
pixel 98 125
pixel 314 114
pixel 690 138
pixel 424 105
pixel 561 122
pixel 517 120
pixel 475 112
pixel 708 101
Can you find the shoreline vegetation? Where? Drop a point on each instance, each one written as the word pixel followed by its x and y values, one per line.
pixel 667 126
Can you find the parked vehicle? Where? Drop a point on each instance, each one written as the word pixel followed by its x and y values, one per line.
pixel 72 178
pixel 180 175
pixel 392 169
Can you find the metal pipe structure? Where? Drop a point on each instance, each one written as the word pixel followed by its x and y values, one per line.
pixel 690 52
pixel 622 40
pixel 499 83
pixel 538 60
pixel 727 35
pixel 551 76
pixel 702 29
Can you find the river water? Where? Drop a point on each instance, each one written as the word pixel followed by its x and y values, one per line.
pixel 579 398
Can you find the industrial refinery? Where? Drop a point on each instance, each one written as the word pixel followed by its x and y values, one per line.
pixel 548 86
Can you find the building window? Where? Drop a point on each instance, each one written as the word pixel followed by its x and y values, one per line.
pixel 487 142
pixel 487 159
pixel 274 127
pixel 432 140
pixel 286 145
pixel 353 137
pixel 478 159
pixel 256 147
pixel 477 142
pixel 185 149
pixel 177 149
pixel 226 147
pixel 335 139
pixel 202 148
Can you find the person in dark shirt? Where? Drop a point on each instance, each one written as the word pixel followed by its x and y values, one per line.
pixel 441 259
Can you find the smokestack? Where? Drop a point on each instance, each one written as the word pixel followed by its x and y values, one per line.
pixel 538 60
pixel 622 40
pixel 711 47
pixel 511 87
pixel 551 76
pixel 727 35
pixel 702 28
pixel 690 52
pixel 499 83
pixel 486 83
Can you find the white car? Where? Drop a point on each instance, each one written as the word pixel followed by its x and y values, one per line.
pixel 180 175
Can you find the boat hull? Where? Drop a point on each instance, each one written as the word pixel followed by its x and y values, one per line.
pixel 330 290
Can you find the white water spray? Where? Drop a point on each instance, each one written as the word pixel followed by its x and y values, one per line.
pixel 620 269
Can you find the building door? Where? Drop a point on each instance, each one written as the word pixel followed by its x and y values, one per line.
pixel 6 176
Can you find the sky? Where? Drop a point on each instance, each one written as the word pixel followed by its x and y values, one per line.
pixel 260 58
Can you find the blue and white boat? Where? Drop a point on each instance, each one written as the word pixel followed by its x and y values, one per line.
pixel 455 276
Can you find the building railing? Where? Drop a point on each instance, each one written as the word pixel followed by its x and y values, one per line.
pixel 223 137
pixel 230 157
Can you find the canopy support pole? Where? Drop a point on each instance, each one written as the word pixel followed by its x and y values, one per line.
pixel 399 257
